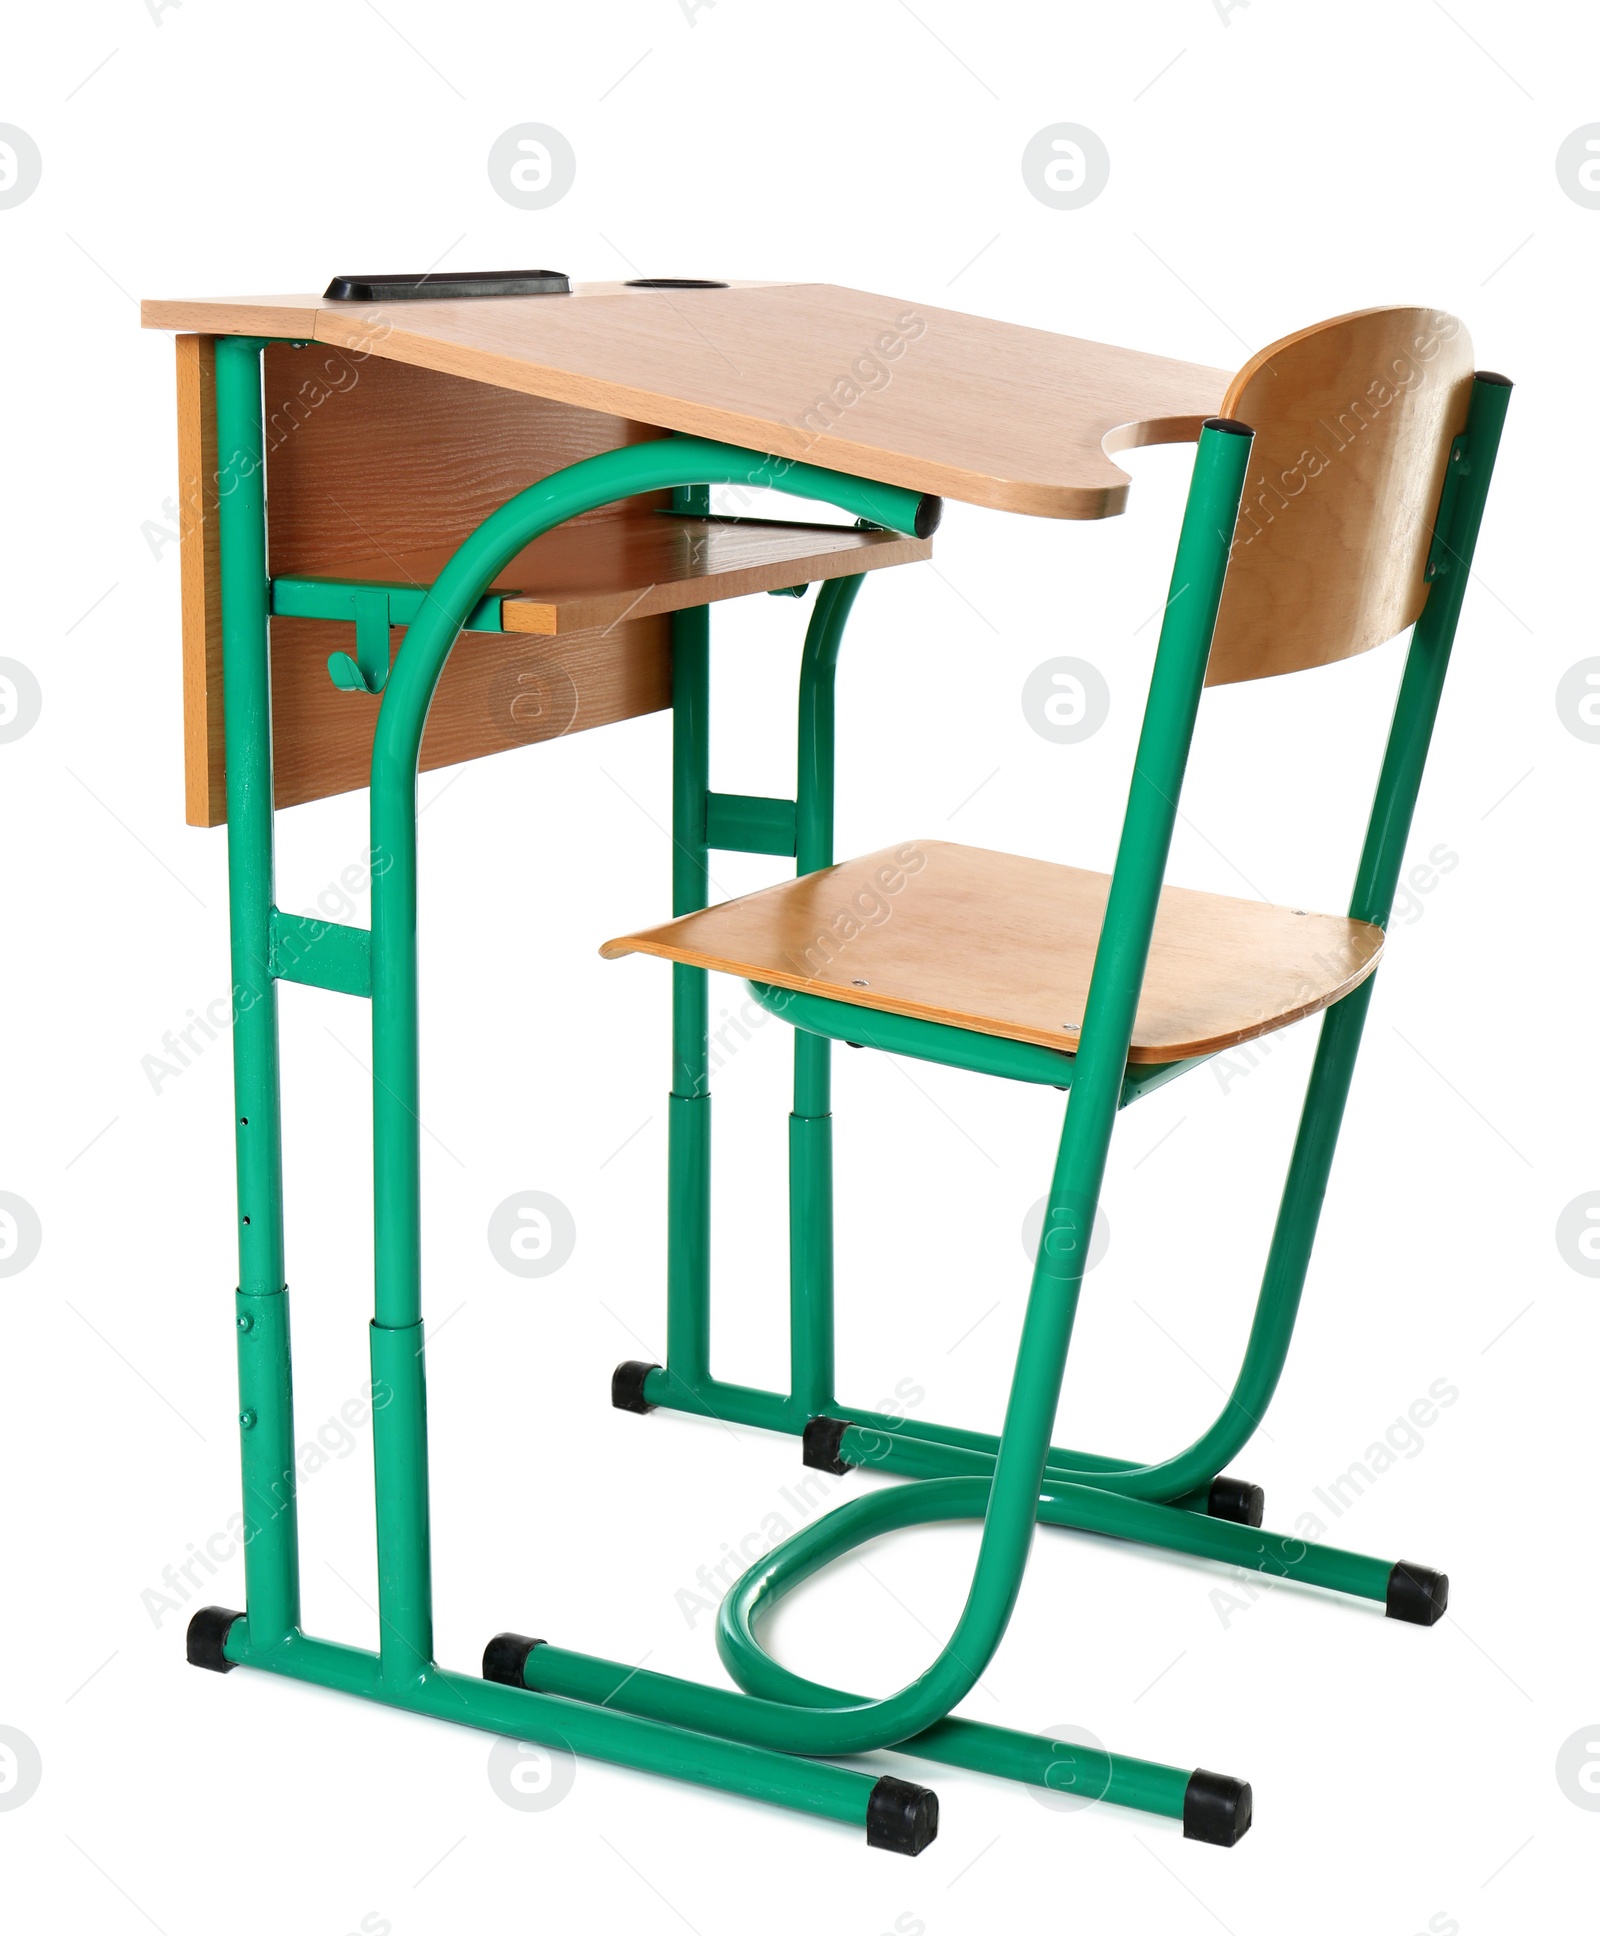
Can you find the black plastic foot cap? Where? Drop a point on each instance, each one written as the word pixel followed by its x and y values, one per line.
pixel 1216 1808
pixel 901 1816
pixel 819 1444
pixel 208 1635
pixel 627 1386
pixel 1417 1594
pixel 505 1657
pixel 1236 1499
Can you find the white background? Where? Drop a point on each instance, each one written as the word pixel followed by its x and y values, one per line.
pixel 1270 168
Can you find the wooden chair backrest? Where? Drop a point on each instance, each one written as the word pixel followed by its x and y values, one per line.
pixel 1353 424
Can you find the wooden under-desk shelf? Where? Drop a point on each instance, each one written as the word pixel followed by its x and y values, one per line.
pixel 584 577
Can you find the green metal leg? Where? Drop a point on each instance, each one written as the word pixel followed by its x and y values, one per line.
pixel 811 1369
pixel 687 1373
pixel 689 1109
pixel 400 1467
pixel 266 1408
pixel 810 1235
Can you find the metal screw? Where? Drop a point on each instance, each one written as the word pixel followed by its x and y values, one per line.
pixel 245 1321
pixel 1072 1025
pixel 860 984
pixel 247 1420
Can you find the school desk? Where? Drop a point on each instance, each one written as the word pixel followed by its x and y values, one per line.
pixel 422 525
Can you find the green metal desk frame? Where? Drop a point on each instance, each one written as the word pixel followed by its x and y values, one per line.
pixel 769 1741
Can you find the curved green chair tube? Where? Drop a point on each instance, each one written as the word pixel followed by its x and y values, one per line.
pixel 400 1429
pixel 811 1360
pixel 1208 524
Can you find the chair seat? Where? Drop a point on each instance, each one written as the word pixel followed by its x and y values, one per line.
pixel 1005 946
